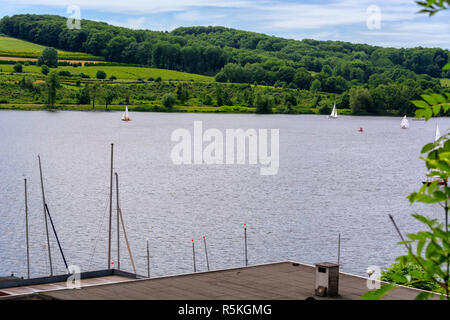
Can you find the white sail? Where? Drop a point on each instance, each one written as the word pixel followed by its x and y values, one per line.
pixel 334 112
pixel 405 123
pixel 126 116
pixel 438 134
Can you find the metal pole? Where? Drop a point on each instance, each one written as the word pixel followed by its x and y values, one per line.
pixel 57 239
pixel 126 241
pixel 148 260
pixel 339 249
pixel 193 255
pixel 110 207
pixel 26 230
pixel 206 252
pixel 45 218
pixel 245 240
pixel 118 224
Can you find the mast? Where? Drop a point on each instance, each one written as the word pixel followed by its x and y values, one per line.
pixel 148 260
pixel 26 230
pixel 45 218
pixel 110 206
pixel 118 224
pixel 124 231
pixel 126 241
pixel 57 239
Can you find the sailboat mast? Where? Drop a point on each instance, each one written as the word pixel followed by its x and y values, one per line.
pixel 126 241
pixel 26 230
pixel 110 206
pixel 118 223
pixel 45 218
pixel 119 212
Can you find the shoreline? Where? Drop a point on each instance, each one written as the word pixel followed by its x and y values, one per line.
pixel 176 109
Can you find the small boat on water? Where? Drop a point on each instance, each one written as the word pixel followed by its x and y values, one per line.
pixel 439 181
pixel 333 114
pixel 405 123
pixel 126 115
pixel 437 135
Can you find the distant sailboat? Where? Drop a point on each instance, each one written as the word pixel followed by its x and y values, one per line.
pixel 438 134
pixel 126 116
pixel 405 123
pixel 439 181
pixel 333 114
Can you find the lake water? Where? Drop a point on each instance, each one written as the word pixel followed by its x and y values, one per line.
pixel 331 179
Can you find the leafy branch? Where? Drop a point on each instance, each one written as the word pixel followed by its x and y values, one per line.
pixel 431 7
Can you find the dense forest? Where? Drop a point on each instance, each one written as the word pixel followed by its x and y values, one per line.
pixel 378 78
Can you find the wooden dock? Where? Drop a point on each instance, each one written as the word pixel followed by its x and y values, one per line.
pixel 284 280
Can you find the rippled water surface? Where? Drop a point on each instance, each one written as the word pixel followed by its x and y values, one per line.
pixel 331 179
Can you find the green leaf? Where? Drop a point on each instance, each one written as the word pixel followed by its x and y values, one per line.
pixel 427 114
pixel 420 104
pixel 398 278
pixel 379 293
pixel 439 98
pixel 427 147
pixel 424 296
pixel 428 98
pixel 446 67
pixel 436 109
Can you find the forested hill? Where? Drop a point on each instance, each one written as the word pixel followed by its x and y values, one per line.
pixel 246 56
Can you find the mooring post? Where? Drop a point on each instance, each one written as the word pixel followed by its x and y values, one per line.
pixel 193 255
pixel 148 259
pixel 110 206
pixel 45 218
pixel 339 249
pixel 26 230
pixel 245 241
pixel 206 252
pixel 118 222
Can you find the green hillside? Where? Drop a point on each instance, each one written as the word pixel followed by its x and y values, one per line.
pixel 8 43
pixel 12 47
pixel 291 76
pixel 120 72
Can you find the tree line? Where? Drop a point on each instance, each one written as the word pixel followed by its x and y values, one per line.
pixel 206 50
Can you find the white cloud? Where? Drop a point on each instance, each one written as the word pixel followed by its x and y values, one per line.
pixel 132 23
pixel 136 6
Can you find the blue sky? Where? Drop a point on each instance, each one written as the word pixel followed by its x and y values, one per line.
pixel 344 20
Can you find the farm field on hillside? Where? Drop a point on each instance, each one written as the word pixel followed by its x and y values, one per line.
pixel 120 72
pixel 12 47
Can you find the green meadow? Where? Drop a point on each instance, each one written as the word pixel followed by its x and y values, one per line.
pixel 120 72
pixel 12 47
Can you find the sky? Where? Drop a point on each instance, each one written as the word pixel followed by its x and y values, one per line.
pixel 387 23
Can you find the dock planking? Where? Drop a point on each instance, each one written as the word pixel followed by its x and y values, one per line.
pixel 283 280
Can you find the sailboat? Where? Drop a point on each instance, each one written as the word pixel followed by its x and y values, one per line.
pixel 333 114
pixel 437 136
pixel 405 123
pixel 126 116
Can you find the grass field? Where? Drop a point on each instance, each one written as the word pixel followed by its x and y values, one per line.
pixel 12 47
pixel 445 82
pixel 120 72
pixel 7 43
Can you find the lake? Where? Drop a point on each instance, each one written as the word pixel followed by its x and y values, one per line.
pixel 332 179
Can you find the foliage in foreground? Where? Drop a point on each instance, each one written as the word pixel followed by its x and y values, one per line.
pixel 427 264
